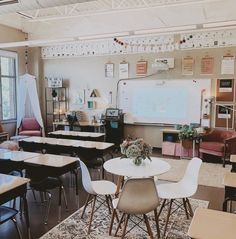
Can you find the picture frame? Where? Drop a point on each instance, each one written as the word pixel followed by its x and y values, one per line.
pixel 224 116
pixel 225 90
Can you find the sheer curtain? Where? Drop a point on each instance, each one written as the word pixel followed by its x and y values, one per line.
pixel 28 100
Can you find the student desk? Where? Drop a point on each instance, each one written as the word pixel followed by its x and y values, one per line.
pixel 88 136
pixel 56 166
pixel 71 146
pixel 14 160
pixel 12 187
pixel 83 125
pixel 212 224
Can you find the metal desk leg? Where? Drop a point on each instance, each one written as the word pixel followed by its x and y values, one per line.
pixel 27 216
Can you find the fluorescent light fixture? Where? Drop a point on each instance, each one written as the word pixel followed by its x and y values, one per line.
pixel 165 29
pixel 219 24
pixel 34 43
pixel 100 36
pixel 5 2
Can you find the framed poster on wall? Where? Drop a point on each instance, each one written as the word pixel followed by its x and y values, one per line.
pixel 224 116
pixel 225 90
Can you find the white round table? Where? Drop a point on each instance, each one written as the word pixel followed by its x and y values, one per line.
pixel 126 167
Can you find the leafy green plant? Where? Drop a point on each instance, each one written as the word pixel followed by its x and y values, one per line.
pixel 187 132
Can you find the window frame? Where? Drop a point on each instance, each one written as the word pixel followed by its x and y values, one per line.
pixel 10 54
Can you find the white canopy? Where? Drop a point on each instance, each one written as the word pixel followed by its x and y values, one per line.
pixel 28 101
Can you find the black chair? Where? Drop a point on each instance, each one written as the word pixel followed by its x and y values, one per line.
pixel 91 157
pixel 41 182
pixel 6 214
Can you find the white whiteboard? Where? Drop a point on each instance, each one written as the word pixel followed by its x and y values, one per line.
pixel 176 101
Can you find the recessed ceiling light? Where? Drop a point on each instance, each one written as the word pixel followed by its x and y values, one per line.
pixel 5 2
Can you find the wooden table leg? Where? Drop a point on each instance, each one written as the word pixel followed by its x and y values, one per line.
pixel 120 182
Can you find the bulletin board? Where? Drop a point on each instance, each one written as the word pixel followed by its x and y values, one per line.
pixel 222 114
pixel 225 90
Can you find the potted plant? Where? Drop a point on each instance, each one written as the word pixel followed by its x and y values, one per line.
pixel 137 150
pixel 187 134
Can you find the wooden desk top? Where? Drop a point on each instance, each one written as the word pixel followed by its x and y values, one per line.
pixel 212 224
pixel 170 130
pixel 77 133
pixel 230 179
pixel 51 160
pixel 17 156
pixel 69 142
pixel 233 158
pixel 78 123
pixel 8 183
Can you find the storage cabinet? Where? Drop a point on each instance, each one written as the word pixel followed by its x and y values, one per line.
pixel 56 106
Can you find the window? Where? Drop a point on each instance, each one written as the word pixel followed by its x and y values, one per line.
pixel 8 85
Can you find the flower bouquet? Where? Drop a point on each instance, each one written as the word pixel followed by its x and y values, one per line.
pixel 137 149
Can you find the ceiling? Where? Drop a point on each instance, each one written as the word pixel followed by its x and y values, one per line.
pixel 44 19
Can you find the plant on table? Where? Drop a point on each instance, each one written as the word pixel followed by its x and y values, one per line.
pixel 137 149
pixel 187 134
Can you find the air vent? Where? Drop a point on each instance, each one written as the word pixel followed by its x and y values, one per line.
pixel 6 2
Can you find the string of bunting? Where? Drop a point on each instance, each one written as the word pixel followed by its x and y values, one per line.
pixel 126 44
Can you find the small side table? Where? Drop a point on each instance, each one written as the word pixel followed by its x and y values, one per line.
pixel 233 161
pixel 4 136
pixel 230 190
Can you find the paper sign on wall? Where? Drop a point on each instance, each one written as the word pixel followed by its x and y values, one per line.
pixel 141 68
pixel 124 70
pixel 109 70
pixel 227 65
pixel 207 65
pixel 187 65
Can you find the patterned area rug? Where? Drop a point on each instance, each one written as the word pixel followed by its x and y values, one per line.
pixel 76 228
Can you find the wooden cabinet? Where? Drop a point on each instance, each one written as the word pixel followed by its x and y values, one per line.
pixel 172 146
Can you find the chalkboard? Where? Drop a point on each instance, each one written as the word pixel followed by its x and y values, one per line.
pixel 177 101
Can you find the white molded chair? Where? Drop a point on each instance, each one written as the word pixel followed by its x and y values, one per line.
pixel 138 197
pixel 183 189
pixel 95 189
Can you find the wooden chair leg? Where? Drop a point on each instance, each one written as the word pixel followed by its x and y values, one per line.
pixel 125 226
pixel 148 226
pixel 92 212
pixel 85 205
pixel 157 223
pixel 119 224
pixel 162 206
pixel 189 207
pixel 112 221
pixel 185 208
pixel 168 217
pixel 108 205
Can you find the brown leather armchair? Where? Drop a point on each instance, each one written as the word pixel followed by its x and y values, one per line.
pixel 218 142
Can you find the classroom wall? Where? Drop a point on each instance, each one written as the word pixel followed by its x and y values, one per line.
pixel 8 34
pixel 88 73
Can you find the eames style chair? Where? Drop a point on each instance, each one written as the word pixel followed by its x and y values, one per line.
pixel 94 190
pixel 183 189
pixel 138 197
